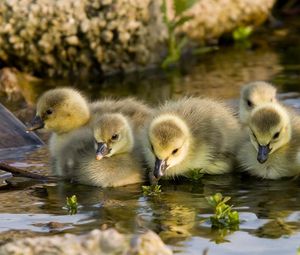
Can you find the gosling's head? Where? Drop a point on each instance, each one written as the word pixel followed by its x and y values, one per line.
pixel 60 110
pixel 270 129
pixel 169 140
pixel 113 135
pixel 255 94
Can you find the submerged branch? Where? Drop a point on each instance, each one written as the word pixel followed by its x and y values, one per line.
pixel 17 172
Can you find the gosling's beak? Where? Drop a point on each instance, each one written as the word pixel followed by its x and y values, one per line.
pixel 263 153
pixel 36 123
pixel 159 168
pixel 102 150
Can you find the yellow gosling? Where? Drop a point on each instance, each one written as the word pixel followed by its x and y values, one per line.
pixel 273 148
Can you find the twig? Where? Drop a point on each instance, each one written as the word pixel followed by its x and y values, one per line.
pixel 17 172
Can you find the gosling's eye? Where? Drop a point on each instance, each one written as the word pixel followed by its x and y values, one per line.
pixel 174 151
pixel 276 135
pixel 249 103
pixel 254 135
pixel 49 112
pixel 115 137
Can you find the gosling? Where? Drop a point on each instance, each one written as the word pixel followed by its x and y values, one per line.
pixel 120 170
pixel 273 148
pixel 113 135
pixel 118 159
pixel 191 134
pixel 253 95
pixel 64 110
pixel 61 111
pixel 137 111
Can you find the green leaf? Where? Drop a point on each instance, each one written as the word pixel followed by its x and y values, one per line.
pixel 152 190
pixel 226 199
pixel 72 204
pixel 181 21
pixel 223 216
pixel 218 197
pixel 182 5
pixel 242 33
pixel 203 50
pixel 163 9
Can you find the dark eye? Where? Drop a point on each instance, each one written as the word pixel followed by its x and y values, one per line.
pixel 249 103
pixel 49 111
pixel 174 151
pixel 115 137
pixel 152 147
pixel 254 135
pixel 276 135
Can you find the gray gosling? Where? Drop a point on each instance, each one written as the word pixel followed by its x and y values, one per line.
pixel 254 94
pixel 191 134
pixel 64 111
pixel 273 148
pixel 61 111
pixel 119 161
pixel 137 111
pixel 113 135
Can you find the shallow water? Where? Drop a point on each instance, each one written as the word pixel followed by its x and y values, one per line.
pixel 269 210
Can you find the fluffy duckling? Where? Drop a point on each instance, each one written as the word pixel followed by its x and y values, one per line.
pixel 253 95
pixel 120 162
pixel 191 134
pixel 64 110
pixel 113 135
pixel 137 111
pixel 61 111
pixel 273 148
pixel 119 170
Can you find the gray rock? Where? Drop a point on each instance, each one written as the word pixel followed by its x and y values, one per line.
pixel 95 242
pixel 51 27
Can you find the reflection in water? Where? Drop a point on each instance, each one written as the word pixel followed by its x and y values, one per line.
pixel 268 210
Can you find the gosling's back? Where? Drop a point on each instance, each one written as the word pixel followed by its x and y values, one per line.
pixel 210 122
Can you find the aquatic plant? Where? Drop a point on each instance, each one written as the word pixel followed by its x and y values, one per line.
pixel 242 33
pixel 175 44
pixel 152 190
pixel 71 204
pixel 224 216
pixel 195 174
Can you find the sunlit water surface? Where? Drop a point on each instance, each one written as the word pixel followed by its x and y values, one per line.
pixel 269 210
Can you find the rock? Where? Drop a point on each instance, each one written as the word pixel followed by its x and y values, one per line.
pixel 148 243
pixel 212 18
pixel 51 39
pixel 51 42
pixel 95 242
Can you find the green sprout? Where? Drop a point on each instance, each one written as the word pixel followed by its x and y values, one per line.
pixel 242 33
pixel 224 217
pixel 152 190
pixel 175 44
pixel 72 204
pixel 195 174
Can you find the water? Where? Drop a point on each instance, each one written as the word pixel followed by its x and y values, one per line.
pixel 269 210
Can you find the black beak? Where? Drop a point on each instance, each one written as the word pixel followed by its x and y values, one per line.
pixel 36 123
pixel 159 168
pixel 263 153
pixel 102 150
